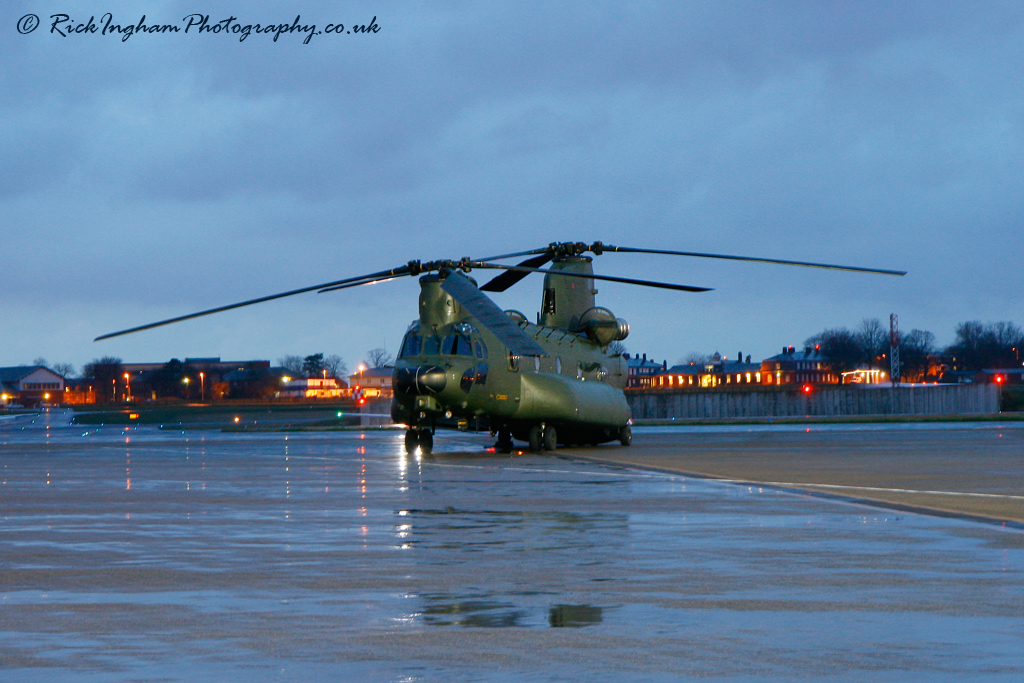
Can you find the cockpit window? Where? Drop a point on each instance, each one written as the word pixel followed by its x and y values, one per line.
pixel 456 344
pixel 431 345
pixel 411 346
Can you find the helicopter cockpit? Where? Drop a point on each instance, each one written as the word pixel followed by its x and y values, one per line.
pixel 461 339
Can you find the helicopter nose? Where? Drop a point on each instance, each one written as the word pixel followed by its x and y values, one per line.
pixel 419 380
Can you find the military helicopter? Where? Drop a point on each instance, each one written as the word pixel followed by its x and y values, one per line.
pixel 554 382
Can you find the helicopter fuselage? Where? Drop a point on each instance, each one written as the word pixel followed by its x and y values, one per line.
pixel 452 367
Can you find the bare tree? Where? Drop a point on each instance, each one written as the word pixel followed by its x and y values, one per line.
pixel 104 373
pixel 616 348
pixel 695 358
pixel 335 365
pixel 840 347
pixel 873 339
pixel 292 364
pixel 993 345
pixel 377 358
pixel 917 351
pixel 40 361
pixel 64 369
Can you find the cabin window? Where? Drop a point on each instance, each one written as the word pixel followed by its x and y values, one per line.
pixel 481 373
pixel 481 349
pixel 558 365
pixel 548 305
pixel 468 377
pixel 536 363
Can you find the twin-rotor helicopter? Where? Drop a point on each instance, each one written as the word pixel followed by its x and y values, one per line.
pixel 556 381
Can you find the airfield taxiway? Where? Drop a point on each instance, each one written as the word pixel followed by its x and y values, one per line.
pixel 972 469
pixel 202 556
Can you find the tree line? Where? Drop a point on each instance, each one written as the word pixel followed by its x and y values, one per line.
pixel 977 346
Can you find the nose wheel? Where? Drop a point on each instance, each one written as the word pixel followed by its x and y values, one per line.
pixel 421 438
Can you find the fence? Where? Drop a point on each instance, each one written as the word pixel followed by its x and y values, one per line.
pixel 948 399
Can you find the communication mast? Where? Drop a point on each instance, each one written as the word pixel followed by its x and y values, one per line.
pixel 894 349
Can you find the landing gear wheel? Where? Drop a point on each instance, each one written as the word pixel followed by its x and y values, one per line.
pixel 426 441
pixel 411 440
pixel 535 438
pixel 504 444
pixel 550 438
pixel 626 435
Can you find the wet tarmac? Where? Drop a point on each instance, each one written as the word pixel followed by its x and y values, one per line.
pixel 165 556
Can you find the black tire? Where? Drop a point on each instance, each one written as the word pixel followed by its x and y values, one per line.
pixel 411 440
pixel 535 439
pixel 550 438
pixel 504 444
pixel 426 442
pixel 626 435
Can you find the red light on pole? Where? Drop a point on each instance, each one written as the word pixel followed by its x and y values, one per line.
pixel 807 388
pixel 999 379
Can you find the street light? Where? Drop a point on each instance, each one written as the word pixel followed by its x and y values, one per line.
pixel 202 387
pixel 128 387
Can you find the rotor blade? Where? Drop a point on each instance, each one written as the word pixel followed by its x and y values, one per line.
pixel 531 252
pixel 490 316
pixel 609 278
pixel 608 247
pixel 394 272
pixel 368 281
pixel 505 280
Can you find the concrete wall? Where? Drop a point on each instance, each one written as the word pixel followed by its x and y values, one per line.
pixel 375 413
pixel 954 399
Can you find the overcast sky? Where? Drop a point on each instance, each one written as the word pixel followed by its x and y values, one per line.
pixel 166 173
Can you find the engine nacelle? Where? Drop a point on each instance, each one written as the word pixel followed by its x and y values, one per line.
pixel 601 325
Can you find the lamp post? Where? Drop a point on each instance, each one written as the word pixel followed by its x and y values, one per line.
pixel 202 387
pixel 127 387
pixel 185 382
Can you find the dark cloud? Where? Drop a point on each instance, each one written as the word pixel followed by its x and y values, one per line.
pixel 167 173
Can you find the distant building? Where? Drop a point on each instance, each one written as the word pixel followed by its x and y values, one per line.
pixel 640 371
pixel 809 366
pixel 31 386
pixel 313 388
pixel 255 380
pixel 372 383
pixel 718 372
